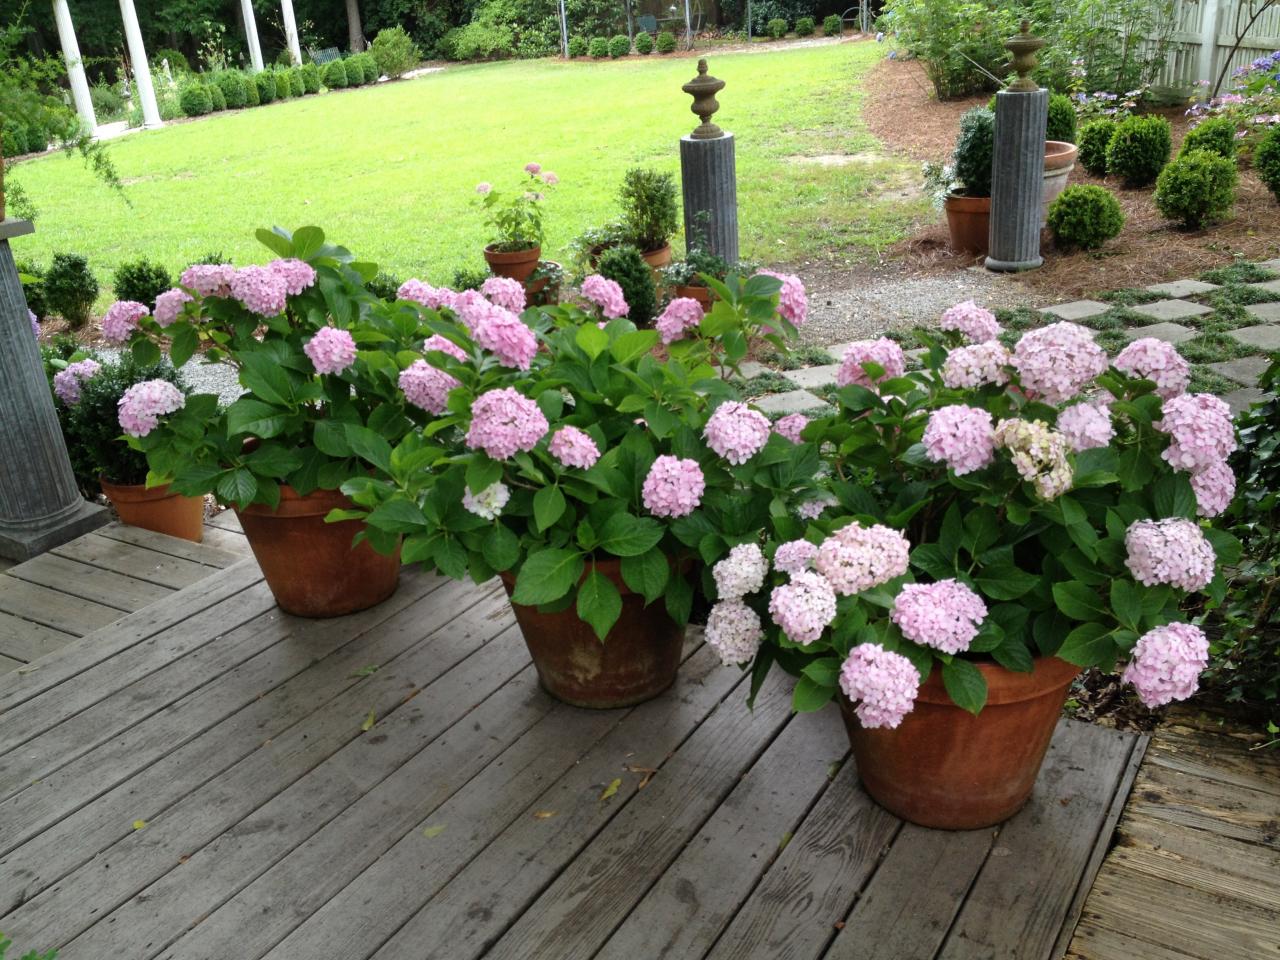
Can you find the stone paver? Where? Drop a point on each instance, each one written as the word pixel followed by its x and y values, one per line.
pixel 1272 286
pixel 1174 333
pixel 1271 264
pixel 812 377
pixel 1242 399
pixel 1172 310
pixel 1077 309
pixel 837 349
pixel 1267 312
pixel 793 401
pixel 749 369
pixel 1182 288
pixel 1265 337
pixel 1245 371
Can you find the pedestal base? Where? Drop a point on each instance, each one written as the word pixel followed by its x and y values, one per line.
pixel 709 180
pixel 23 542
pixel 1013 266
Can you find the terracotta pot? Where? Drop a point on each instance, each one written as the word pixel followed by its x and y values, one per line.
pixel 969 220
pixel 701 294
pixel 944 767
pixel 310 565
pixel 158 509
pixel 538 293
pixel 517 265
pixel 636 662
pixel 1059 159
pixel 659 258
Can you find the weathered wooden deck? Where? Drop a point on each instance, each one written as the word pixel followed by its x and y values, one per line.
pixel 207 777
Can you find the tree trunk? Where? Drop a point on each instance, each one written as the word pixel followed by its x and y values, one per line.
pixel 355 35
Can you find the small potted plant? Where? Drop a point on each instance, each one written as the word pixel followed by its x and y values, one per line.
pixel 964 187
pixel 649 215
pixel 689 277
pixel 515 223
pixel 587 247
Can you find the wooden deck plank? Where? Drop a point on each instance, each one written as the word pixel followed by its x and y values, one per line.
pixel 8 663
pixel 133 560
pixel 459 651
pixel 227 541
pixel 225 520
pixel 74 659
pixel 26 641
pixel 696 897
pixel 210 554
pixel 73 840
pixel 68 614
pixel 1093 942
pixel 1219 758
pixel 1228 810
pixel 1011 914
pixel 88 582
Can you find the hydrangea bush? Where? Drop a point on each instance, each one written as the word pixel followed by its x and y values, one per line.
pixel 1000 505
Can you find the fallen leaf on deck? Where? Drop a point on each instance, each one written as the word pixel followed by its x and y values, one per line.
pixel 139 824
pixel 786 838
pixel 611 789
pixel 366 671
pixel 544 815
pixel 834 768
pixel 369 722
pixel 433 831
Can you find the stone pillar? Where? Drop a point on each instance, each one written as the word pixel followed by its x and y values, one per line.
pixel 251 35
pixel 40 506
pixel 1017 168
pixel 75 66
pixel 290 32
pixel 708 175
pixel 141 68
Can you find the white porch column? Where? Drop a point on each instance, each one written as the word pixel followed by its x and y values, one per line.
pixel 75 66
pixel 141 69
pixel 291 31
pixel 251 35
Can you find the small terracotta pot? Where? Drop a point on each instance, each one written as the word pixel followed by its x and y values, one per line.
pixel 636 662
pixel 659 258
pixel 310 565
pixel 1059 159
pixel 518 264
pixel 943 767
pixel 969 221
pixel 701 294
pixel 538 293
pixel 158 509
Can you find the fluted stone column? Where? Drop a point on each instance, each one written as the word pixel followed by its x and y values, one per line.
pixel 40 506
pixel 141 67
pixel 291 31
pixel 708 175
pixel 251 35
pixel 75 66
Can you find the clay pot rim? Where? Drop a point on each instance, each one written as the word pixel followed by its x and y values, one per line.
pixel 135 492
pixel 293 504
pixel 610 566
pixel 1059 154
pixel 964 204
pixel 500 256
pixel 1005 685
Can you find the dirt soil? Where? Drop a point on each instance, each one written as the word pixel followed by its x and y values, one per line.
pixel 1148 250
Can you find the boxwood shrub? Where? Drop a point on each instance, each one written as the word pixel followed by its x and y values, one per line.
pixel 804 27
pixel 395 52
pixel 1085 216
pixel 1197 188
pixel 832 25
pixel 141 281
pixel 266 81
pixel 577 47
pixel 194 99
pixel 666 42
pixel 216 100
pixel 1095 137
pixel 1062 119
pixel 368 67
pixel 335 75
pixel 70 288
pixel 619 46
pixel 251 96
pixel 1139 150
pixel 1266 162
pixel 625 266
pixel 644 43
pixel 1216 134
pixel 297 86
pixel 232 85
pixel 284 89
pixel 599 48
pixel 777 28
pixel 310 77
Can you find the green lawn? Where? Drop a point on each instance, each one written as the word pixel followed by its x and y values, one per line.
pixel 390 170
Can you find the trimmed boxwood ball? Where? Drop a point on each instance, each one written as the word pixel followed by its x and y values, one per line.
pixel 1085 216
pixel 141 281
pixel 832 25
pixel 974 149
pixel 232 85
pixel 335 75
pixel 625 266
pixel 619 46
pixel 355 71
pixel 70 288
pixel 216 99
pixel 194 100
pixel 599 48
pixel 251 96
pixel 369 65
pixel 284 89
pixel 297 86
pixel 1139 150
pixel 804 27
pixel 644 43
pixel 1266 162
pixel 1095 137
pixel 1062 119
pixel 266 81
pixel 310 77
pixel 1197 188
pixel 1217 135
pixel 666 42
pixel 777 28
pixel 577 47
pixel 395 52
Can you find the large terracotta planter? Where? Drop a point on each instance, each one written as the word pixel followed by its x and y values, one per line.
pixel 659 258
pixel 944 767
pixel 969 222
pixel 311 566
pixel 701 294
pixel 636 662
pixel 518 264
pixel 158 509
pixel 1059 159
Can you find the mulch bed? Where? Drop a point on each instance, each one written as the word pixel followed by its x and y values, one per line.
pixel 1148 250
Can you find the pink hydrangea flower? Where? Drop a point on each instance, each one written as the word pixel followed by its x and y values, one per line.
pixel 734 632
pixel 505 292
pixel 507 336
pixel 673 487
pixel 794 556
pixel 122 319
pixel 574 448
pixel 533 169
pixel 169 305
pixel 681 314
pixel 974 323
pixel 793 304
pixel 1056 362
pixel 804 607
pixel 427 386
pixel 812 509
pixel 208 279
pixel 741 572
pixel 945 615
pixel 1215 488
pixel 1086 426
pixel 550 179
pixel 974 366
pixel 143 404
pixel 1200 431
pixel 260 289
pixel 1169 551
pixel 471 307
pixel 736 432
pixel 431 297
pixel 1155 360
pixel 483 187
pixel 960 436
pixel 883 684
pixel 505 421
pixel 1166 663
pixel 296 274
pixel 331 350
pixel 66 382
pixel 488 503
pixel 856 558
pixel 605 294
pixel 884 352
pixel 1039 454
pixel 791 426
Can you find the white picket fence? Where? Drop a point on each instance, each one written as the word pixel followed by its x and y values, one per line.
pixel 1203 35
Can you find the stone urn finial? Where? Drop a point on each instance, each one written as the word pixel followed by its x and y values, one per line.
pixel 1024 47
pixel 703 88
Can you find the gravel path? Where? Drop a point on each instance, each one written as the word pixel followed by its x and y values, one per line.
pixel 201 377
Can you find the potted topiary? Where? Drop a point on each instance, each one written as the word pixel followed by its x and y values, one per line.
pixel 965 186
pixel 996 523
pixel 626 266
pixel 689 277
pixel 317 411
pixel 649 215
pixel 515 223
